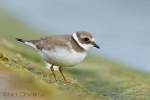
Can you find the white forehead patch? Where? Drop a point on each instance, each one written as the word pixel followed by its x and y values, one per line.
pixel 85 46
pixel 93 39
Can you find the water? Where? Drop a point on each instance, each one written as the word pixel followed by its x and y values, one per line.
pixel 121 28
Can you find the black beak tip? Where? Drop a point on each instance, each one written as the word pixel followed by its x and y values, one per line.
pixel 95 45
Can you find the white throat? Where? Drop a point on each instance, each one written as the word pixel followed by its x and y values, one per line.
pixel 85 46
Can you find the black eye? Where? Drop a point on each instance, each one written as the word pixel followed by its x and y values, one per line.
pixel 86 39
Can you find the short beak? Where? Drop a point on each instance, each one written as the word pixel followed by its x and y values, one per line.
pixel 95 45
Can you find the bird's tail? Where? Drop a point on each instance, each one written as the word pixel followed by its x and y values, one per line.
pixel 20 40
pixel 29 43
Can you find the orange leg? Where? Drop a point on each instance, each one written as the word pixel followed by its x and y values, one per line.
pixel 60 69
pixel 52 69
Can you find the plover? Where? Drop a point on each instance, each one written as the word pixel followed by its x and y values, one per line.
pixel 63 50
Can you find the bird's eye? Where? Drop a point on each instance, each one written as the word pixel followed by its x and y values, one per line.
pixel 86 39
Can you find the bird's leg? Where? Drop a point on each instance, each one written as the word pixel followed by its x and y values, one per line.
pixel 52 69
pixel 60 70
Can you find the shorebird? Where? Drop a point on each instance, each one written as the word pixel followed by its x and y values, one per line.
pixel 63 50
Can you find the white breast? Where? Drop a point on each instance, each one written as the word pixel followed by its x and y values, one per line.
pixel 62 56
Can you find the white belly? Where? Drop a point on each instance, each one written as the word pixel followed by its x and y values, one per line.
pixel 62 57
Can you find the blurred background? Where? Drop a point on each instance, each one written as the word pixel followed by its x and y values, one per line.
pixel 121 28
